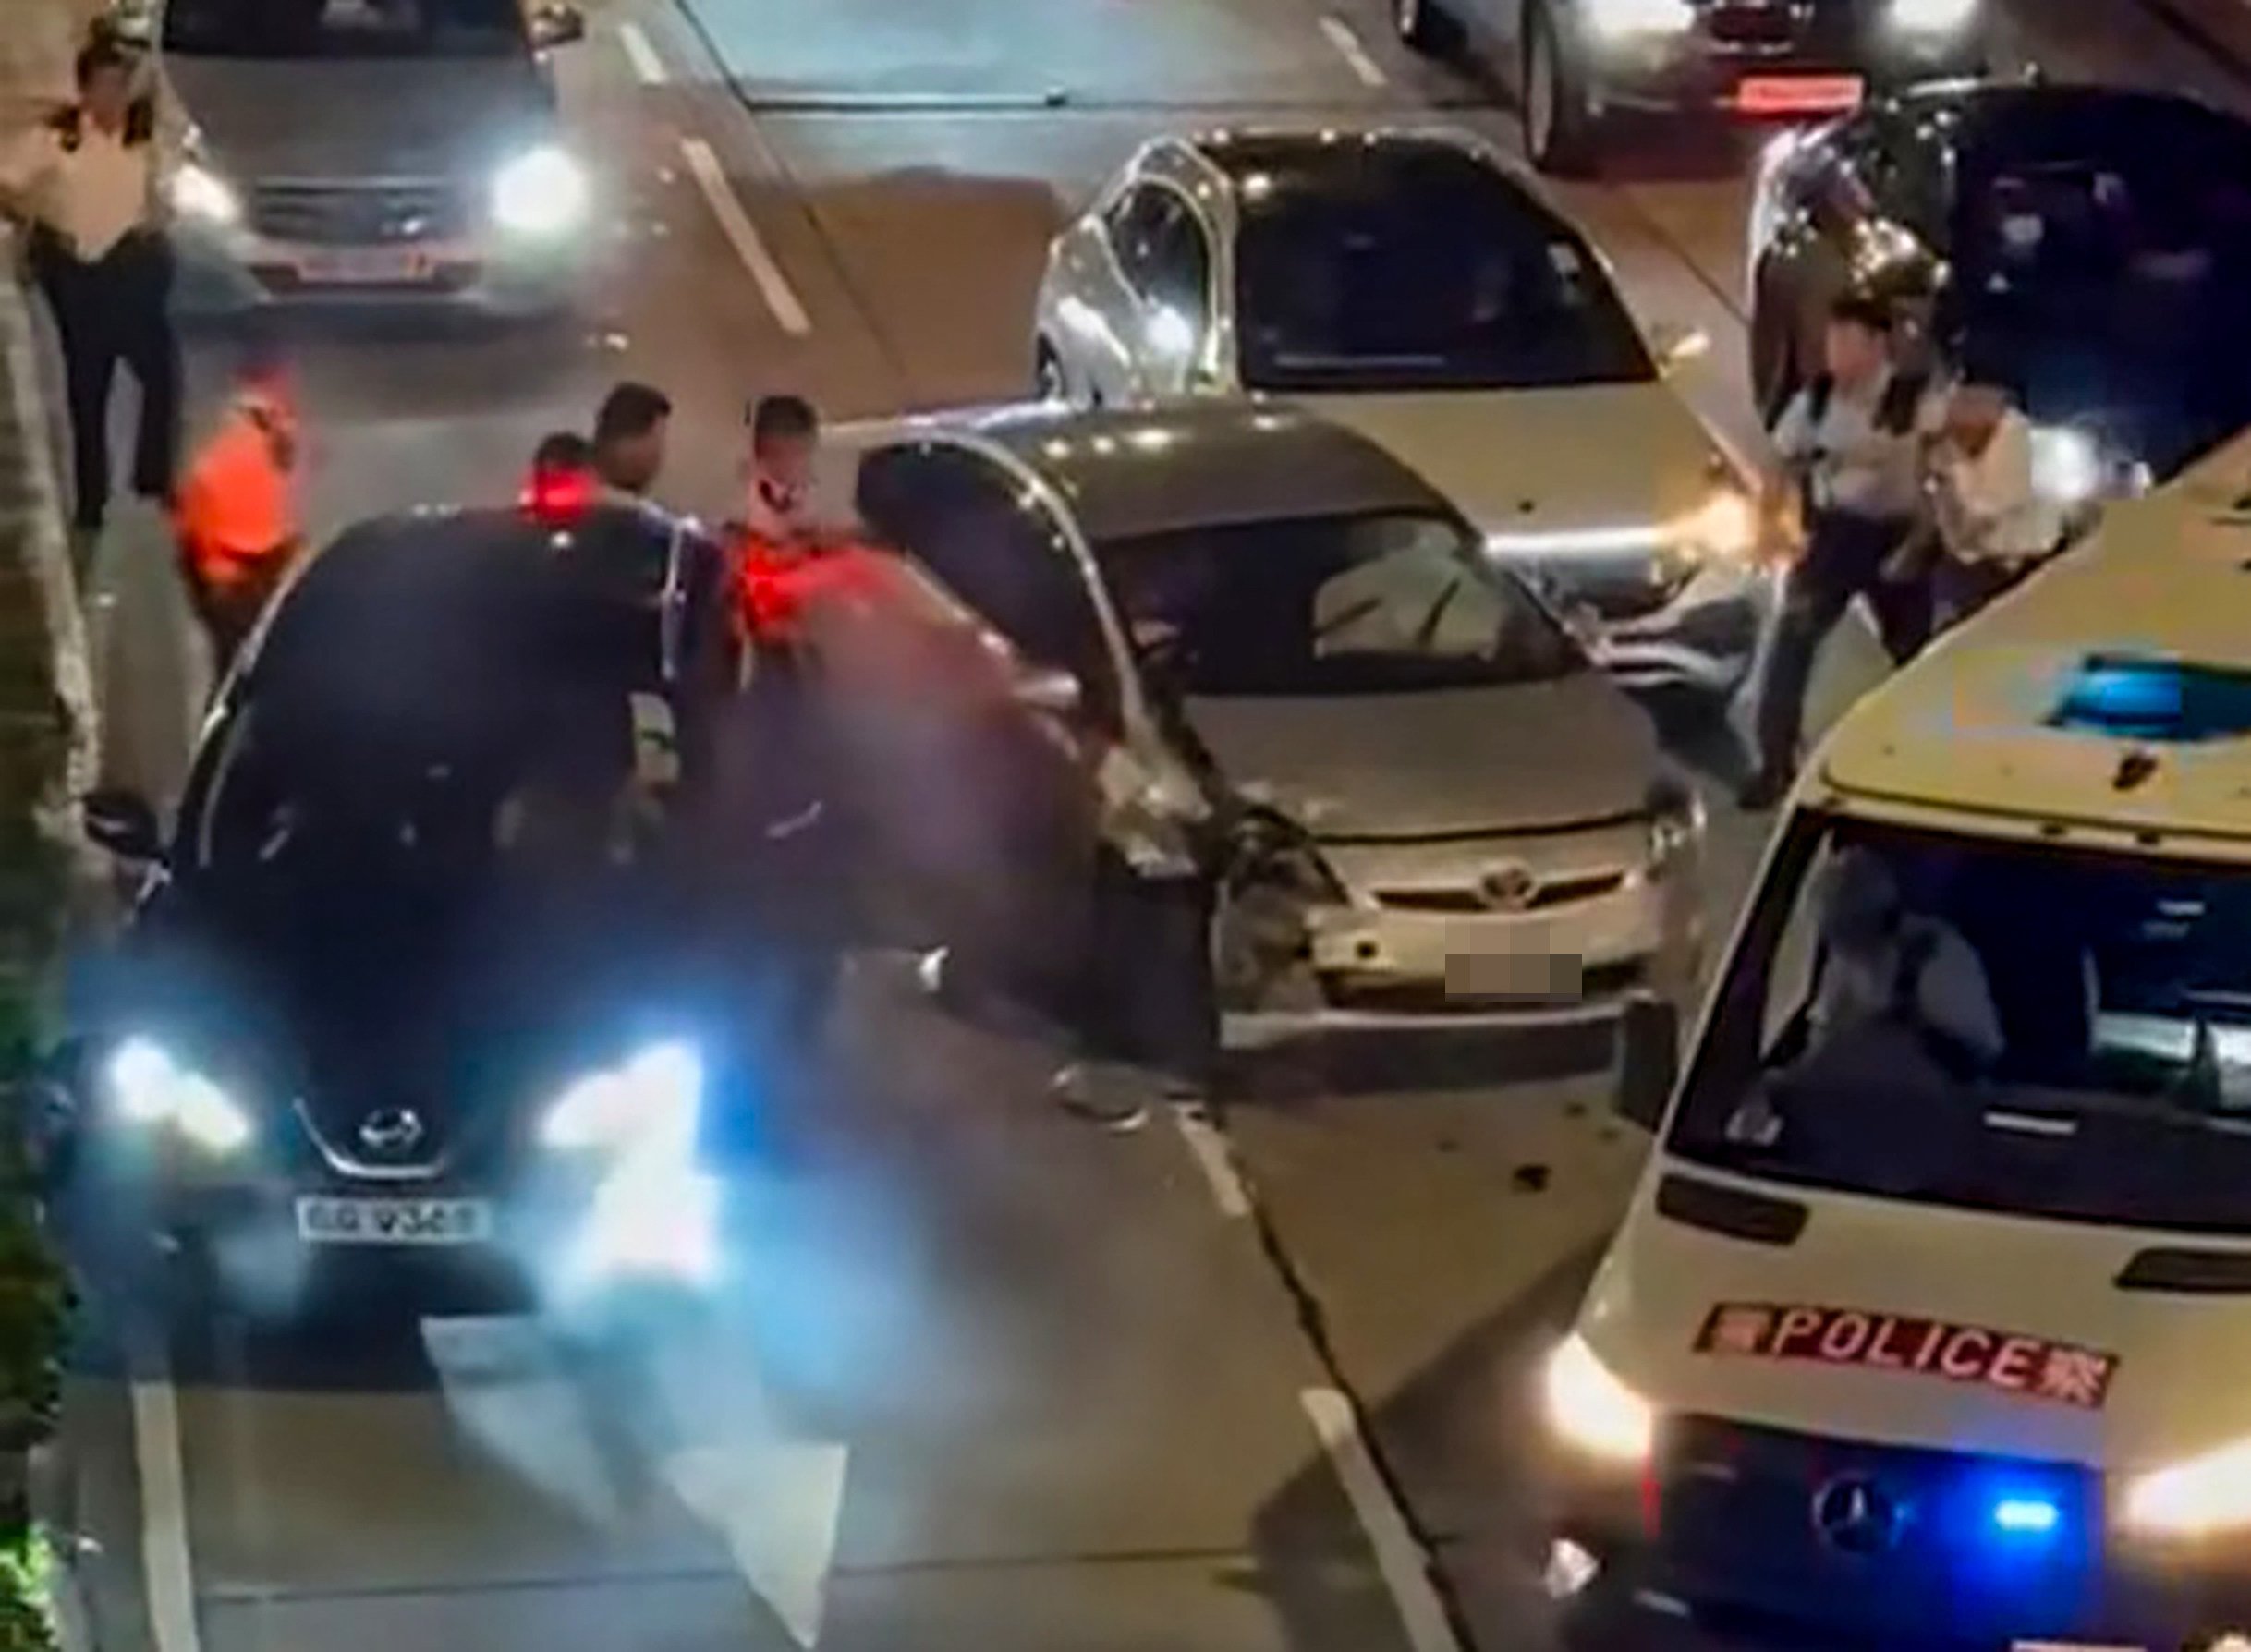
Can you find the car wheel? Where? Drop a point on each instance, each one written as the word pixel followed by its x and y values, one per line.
pixel 1048 381
pixel 1421 25
pixel 1561 131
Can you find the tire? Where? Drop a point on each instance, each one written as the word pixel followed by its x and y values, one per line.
pixel 1422 26
pixel 1048 381
pixel 1561 131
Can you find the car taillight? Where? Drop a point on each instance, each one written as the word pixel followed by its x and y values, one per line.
pixel 557 498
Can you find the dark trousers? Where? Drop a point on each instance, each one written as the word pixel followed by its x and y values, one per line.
pixel 1843 559
pixel 115 309
pixel 1961 588
pixel 1150 1003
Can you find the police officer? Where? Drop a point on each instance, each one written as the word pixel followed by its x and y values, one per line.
pixel 89 180
pixel 235 514
pixel 1851 443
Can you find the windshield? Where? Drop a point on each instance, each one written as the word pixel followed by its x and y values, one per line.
pixel 1995 1024
pixel 1333 605
pixel 344 28
pixel 1449 282
pixel 2113 284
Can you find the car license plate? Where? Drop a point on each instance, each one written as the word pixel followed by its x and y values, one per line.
pixel 394 1221
pixel 1513 975
pixel 1800 94
pixel 366 266
pixel 2073 1646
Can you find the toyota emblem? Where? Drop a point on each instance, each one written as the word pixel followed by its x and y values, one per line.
pixel 391 1130
pixel 1856 1516
pixel 1509 887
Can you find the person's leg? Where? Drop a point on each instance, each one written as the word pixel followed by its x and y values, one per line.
pixel 152 352
pixel 1902 607
pixel 88 363
pixel 1814 595
pixel 1107 1084
pixel 1167 976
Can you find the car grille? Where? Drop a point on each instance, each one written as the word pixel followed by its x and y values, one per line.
pixel 354 214
pixel 1562 890
pixel 1740 1527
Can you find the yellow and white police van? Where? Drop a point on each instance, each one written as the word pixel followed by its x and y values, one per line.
pixel 1929 1323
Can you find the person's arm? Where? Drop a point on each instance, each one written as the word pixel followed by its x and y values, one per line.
pixel 27 169
pixel 1954 1000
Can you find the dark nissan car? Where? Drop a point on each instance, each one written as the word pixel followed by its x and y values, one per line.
pixel 2089 248
pixel 1580 63
pixel 407 988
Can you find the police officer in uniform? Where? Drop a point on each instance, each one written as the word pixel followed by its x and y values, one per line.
pixel 1852 443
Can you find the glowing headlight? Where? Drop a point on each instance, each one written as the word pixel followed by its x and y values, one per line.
pixel 1933 16
pixel 652 1104
pixel 198 192
pixel 1725 527
pixel 539 193
pixel 1610 20
pixel 2212 1493
pixel 1591 1409
pixel 149 1087
pixel 2068 467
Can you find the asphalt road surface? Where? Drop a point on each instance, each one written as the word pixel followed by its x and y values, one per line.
pixel 983 1378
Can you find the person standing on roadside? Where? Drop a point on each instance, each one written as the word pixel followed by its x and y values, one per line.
pixel 1992 525
pixel 90 181
pixel 1851 442
pixel 630 433
pixel 236 514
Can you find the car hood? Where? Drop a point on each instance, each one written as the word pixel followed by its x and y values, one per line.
pixel 2051 1283
pixel 392 119
pixel 1529 462
pixel 1518 759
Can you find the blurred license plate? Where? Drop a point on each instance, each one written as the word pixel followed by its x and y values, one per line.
pixel 2073 1646
pixel 1513 975
pixel 1799 94
pixel 366 266
pixel 394 1221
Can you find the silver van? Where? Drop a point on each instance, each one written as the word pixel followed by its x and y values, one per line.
pixel 369 151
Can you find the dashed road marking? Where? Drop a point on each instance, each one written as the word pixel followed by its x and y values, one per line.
pixel 647 67
pixel 742 235
pixel 1209 1150
pixel 1400 1557
pixel 1355 55
pixel 167 1575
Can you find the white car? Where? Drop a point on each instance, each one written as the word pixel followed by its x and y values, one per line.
pixel 1415 288
pixel 1926 1320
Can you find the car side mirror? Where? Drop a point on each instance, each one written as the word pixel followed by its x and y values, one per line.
pixel 1675 345
pixel 124 823
pixel 1648 1061
pixel 1056 693
pixel 557 25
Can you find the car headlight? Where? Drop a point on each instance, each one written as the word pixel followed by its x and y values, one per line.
pixel 1933 16
pixel 151 1088
pixel 542 192
pixel 653 1104
pixel 1591 1410
pixel 2206 1494
pixel 2068 467
pixel 198 192
pixel 1613 20
pixel 1724 528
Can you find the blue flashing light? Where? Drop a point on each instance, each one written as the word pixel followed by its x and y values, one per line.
pixel 2155 700
pixel 2026 1516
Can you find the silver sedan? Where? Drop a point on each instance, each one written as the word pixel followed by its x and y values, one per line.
pixel 1417 289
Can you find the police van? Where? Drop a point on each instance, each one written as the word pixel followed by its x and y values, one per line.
pixel 1930 1322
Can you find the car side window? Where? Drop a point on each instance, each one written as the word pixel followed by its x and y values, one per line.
pixel 1003 553
pixel 1162 250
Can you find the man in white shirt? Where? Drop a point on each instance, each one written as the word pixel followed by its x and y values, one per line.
pixel 87 180
pixel 1994 525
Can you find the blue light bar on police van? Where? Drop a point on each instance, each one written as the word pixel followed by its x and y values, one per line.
pixel 2155 700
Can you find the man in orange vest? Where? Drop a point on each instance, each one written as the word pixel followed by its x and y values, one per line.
pixel 235 513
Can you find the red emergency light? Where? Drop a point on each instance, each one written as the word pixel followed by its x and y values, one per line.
pixel 557 498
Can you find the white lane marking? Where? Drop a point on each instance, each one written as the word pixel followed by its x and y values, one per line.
pixel 1208 1148
pixel 1349 48
pixel 1399 1557
pixel 647 67
pixel 167 1573
pixel 742 236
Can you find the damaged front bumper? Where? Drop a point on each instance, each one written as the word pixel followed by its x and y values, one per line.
pixel 1509 932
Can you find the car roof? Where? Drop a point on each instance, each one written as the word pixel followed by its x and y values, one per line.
pixel 1208 462
pixel 2044 114
pixel 1976 735
pixel 1382 163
